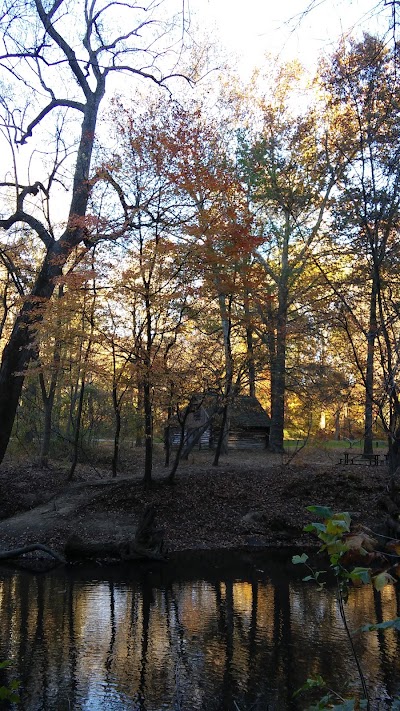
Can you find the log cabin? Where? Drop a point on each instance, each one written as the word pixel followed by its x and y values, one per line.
pixel 249 424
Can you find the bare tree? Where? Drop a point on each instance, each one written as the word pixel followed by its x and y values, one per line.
pixel 58 58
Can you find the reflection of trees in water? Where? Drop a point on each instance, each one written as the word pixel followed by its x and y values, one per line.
pixel 110 651
pixel 228 692
pixel 68 621
pixel 194 645
pixel 386 606
pixel 37 636
pixel 146 607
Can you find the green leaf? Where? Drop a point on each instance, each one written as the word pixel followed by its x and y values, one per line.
pixel 388 625
pixel 336 550
pixel 311 683
pixel 7 694
pixel 337 526
pixel 343 516
pixel 315 528
pixel 300 558
pixel 380 581
pixel 323 704
pixel 362 574
pixel 322 511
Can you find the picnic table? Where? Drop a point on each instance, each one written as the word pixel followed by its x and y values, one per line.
pixel 352 458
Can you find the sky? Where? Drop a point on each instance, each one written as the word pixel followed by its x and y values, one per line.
pixel 251 28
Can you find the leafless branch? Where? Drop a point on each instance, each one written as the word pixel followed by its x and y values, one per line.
pixel 36 225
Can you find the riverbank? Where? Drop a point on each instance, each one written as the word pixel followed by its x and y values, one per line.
pixel 250 500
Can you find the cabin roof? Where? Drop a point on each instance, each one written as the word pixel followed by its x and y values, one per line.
pixel 247 412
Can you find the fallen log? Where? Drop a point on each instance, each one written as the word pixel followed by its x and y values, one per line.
pixel 146 544
pixel 78 549
pixel 16 552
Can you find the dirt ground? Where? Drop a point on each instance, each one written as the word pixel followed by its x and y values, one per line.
pixel 251 499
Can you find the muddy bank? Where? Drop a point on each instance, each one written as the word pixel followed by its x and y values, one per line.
pixel 249 501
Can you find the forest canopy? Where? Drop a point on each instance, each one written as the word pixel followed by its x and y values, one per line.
pixel 167 230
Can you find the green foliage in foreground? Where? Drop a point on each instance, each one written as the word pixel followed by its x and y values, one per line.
pixel 10 692
pixel 330 699
pixel 334 535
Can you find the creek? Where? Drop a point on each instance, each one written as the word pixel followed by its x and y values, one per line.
pixel 207 632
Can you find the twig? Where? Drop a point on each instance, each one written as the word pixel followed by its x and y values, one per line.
pixel 353 649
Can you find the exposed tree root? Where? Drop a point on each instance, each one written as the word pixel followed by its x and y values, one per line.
pixel 16 552
pixel 146 544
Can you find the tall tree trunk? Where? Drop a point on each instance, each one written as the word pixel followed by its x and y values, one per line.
pixel 222 444
pixel 19 351
pixel 78 418
pixel 140 415
pixel 278 400
pixel 337 425
pixel 117 433
pixel 78 422
pixel 48 402
pixel 369 372
pixel 278 373
pixel 147 394
pixel 116 401
pixel 167 436
pixel 148 431
pixel 251 368
pixel 182 422
pixel 225 307
pixel 48 398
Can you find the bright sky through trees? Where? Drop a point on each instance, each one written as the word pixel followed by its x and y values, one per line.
pixel 286 29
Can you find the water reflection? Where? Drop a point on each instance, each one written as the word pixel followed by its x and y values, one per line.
pixel 227 636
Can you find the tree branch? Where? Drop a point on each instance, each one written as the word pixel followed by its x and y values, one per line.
pixel 52 105
pixel 36 225
pixel 46 19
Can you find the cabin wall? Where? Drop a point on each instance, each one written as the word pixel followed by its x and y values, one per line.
pixel 204 442
pixel 237 439
pixel 248 439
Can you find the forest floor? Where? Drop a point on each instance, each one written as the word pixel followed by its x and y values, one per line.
pixel 250 499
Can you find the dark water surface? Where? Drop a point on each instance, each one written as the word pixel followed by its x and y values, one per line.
pixel 223 632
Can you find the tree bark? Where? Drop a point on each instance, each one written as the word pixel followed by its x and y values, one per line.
pixel 225 308
pixel 117 433
pixel 148 431
pixel 48 398
pixel 48 402
pixel 182 421
pixel 222 446
pixel 19 350
pixel 278 371
pixel 369 373
pixel 78 418
pixel 251 368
